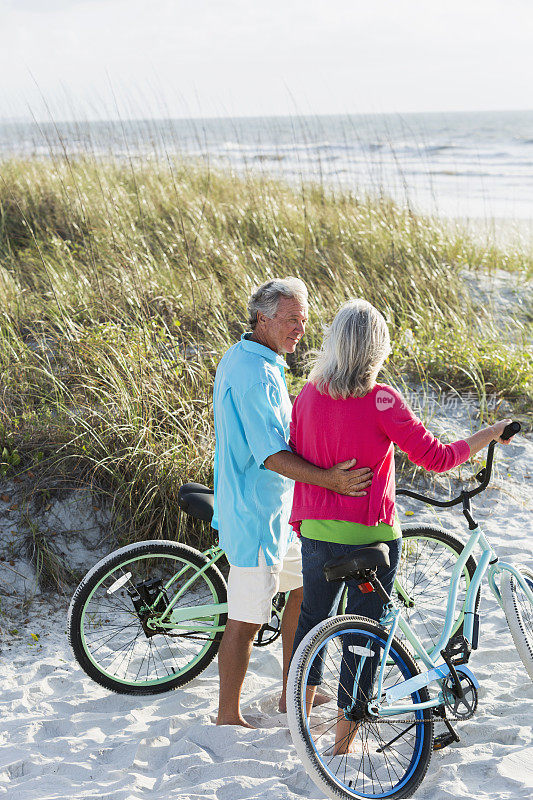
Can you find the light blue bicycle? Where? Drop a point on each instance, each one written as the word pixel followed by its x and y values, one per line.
pixel 381 702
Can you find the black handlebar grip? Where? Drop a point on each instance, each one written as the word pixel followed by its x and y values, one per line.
pixel 510 430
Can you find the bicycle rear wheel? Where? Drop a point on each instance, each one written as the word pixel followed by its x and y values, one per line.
pixel 389 756
pixel 519 612
pixel 110 616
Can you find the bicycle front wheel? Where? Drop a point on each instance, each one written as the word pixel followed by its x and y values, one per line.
pixel 423 579
pixel 519 612
pixel 429 555
pixel 112 616
pixel 347 752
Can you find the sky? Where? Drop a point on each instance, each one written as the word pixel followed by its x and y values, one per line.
pixel 99 59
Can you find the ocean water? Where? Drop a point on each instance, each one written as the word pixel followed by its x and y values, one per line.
pixel 475 165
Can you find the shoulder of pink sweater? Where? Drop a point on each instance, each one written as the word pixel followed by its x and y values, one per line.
pixel 387 397
pixel 384 387
pixel 383 395
pixel 305 388
pixel 310 394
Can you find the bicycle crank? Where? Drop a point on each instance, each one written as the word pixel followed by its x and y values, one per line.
pixel 460 707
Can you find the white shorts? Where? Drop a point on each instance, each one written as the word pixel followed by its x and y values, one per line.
pixel 251 589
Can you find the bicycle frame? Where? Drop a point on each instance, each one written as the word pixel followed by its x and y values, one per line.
pixel 488 562
pixel 172 619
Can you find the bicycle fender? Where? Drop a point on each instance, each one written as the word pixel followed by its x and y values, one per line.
pixel 469 674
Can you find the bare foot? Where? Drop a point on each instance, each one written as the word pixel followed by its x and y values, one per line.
pixel 234 721
pixel 342 750
pixel 344 734
pixel 318 700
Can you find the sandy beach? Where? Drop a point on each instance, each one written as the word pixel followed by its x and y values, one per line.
pixel 64 737
pixel 494 231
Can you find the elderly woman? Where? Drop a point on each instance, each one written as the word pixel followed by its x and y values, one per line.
pixel 340 413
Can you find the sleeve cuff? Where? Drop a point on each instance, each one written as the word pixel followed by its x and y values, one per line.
pixel 461 450
pixel 272 449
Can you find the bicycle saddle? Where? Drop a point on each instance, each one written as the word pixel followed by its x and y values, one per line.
pixel 196 500
pixel 346 567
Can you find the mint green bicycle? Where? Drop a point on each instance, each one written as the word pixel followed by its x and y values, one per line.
pixel 149 617
pixel 374 738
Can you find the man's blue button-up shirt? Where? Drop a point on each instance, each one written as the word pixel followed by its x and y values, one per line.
pixel 252 421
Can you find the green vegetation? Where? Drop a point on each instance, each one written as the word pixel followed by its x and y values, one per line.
pixel 122 283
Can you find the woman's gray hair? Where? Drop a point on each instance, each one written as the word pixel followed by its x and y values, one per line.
pixel 353 351
pixel 266 298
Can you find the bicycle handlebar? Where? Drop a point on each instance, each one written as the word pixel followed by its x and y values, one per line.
pixel 510 430
pixel 483 476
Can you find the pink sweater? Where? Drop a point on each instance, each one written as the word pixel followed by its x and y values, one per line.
pixel 326 431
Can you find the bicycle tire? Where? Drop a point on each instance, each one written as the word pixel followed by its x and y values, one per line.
pixel 429 544
pixel 128 661
pixel 519 614
pixel 343 775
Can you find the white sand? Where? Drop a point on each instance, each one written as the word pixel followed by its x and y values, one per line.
pixel 502 232
pixel 63 737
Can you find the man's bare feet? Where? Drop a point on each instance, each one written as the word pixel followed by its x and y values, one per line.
pixel 318 700
pixel 237 721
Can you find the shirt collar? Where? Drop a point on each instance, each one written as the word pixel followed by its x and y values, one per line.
pixel 261 350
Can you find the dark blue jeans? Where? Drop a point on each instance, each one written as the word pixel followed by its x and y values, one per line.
pixel 321 600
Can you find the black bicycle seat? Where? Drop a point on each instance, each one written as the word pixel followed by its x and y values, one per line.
pixel 346 567
pixel 196 500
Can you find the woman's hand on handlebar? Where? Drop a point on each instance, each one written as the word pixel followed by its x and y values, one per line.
pixel 485 436
pixel 498 428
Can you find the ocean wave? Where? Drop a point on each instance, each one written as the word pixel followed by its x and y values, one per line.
pixel 284 147
pixel 446 156
pixel 437 148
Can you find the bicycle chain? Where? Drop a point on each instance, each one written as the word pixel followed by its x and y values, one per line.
pixel 414 721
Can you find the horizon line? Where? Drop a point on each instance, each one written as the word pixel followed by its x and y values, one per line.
pixel 121 119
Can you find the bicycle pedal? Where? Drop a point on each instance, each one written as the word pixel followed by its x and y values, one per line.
pixel 458 650
pixel 444 739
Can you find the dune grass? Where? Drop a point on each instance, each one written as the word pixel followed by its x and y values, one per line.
pixel 122 283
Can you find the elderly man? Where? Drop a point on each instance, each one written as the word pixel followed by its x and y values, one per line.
pixel 255 471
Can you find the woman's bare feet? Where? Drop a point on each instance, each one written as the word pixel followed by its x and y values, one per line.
pixel 320 699
pixel 344 734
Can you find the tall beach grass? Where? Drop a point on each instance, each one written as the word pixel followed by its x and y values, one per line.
pixel 123 282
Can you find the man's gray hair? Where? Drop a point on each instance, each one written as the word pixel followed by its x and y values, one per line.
pixel 266 298
pixel 353 351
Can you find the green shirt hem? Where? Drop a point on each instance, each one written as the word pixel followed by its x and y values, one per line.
pixel 343 532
